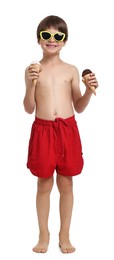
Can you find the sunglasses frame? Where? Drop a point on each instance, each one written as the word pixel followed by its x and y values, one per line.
pixel 52 35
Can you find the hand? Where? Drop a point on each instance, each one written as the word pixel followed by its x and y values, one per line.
pixel 90 81
pixel 32 74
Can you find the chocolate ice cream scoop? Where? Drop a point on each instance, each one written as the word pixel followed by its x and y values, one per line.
pixel 85 75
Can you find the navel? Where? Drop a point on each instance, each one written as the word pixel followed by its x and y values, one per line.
pixel 55 113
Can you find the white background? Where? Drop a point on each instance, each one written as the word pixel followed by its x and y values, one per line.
pixel 90 45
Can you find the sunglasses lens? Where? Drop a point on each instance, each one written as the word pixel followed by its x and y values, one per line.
pixel 46 35
pixel 59 37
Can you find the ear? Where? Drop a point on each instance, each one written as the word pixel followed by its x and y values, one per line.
pixel 38 41
pixel 64 43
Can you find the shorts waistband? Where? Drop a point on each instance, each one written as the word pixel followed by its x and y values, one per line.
pixel 68 120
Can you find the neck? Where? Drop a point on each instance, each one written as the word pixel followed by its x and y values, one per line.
pixel 53 59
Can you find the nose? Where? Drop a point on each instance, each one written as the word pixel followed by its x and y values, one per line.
pixel 52 39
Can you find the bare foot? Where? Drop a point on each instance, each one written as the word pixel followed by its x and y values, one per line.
pixel 65 244
pixel 42 245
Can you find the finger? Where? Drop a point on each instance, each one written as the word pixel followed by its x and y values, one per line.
pixel 92 81
pixel 35 66
pixel 92 77
pixel 32 69
pixel 92 74
pixel 33 78
pixel 33 73
pixel 94 84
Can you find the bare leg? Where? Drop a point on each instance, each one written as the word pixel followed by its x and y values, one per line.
pixel 43 205
pixel 66 204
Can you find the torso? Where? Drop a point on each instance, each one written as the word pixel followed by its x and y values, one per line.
pixel 53 92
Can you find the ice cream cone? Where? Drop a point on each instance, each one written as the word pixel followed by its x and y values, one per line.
pixel 85 75
pixel 35 63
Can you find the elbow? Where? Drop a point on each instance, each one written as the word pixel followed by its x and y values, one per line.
pixel 28 109
pixel 78 109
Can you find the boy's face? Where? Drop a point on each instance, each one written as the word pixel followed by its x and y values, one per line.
pixel 52 45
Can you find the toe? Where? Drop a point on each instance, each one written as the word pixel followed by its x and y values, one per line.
pixel 35 250
pixel 63 250
pixel 71 250
pixel 66 250
pixel 43 250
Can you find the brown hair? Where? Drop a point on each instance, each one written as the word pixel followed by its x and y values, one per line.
pixel 53 21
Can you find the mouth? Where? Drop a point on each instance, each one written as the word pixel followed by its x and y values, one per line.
pixel 51 45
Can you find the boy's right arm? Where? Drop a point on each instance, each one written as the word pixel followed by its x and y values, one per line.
pixel 31 74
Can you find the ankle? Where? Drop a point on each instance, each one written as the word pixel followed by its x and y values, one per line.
pixel 44 234
pixel 63 233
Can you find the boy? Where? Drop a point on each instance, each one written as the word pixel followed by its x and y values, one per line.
pixel 52 90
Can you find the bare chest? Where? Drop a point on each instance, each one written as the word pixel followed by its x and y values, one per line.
pixel 55 80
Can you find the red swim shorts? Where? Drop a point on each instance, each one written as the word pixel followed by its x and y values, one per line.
pixel 55 145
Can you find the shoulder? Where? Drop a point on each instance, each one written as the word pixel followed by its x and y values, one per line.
pixel 72 68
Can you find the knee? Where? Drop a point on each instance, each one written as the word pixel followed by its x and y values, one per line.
pixel 45 185
pixel 64 184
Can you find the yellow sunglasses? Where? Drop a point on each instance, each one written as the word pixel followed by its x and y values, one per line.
pixel 58 36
